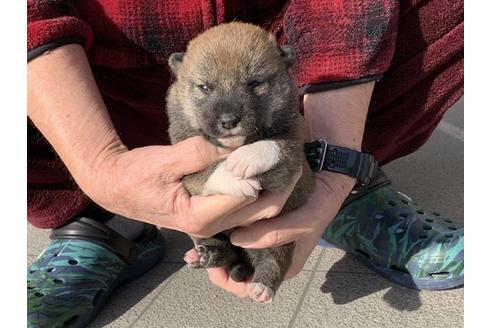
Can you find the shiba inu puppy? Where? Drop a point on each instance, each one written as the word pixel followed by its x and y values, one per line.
pixel 233 87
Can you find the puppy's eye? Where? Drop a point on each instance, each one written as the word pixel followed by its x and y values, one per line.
pixel 204 88
pixel 255 83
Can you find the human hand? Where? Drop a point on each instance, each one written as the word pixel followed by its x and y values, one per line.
pixel 145 184
pixel 303 226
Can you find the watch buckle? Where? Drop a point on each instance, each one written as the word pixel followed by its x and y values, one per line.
pixel 321 148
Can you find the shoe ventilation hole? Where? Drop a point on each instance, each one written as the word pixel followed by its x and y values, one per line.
pixel 56 254
pixel 420 211
pixel 38 294
pixel 448 235
pixel 58 281
pixel 429 220
pixel 427 227
pixel 448 221
pixel 391 203
pixel 397 268
pixel 404 201
pixel 360 251
pixel 50 269
pixel 452 228
pixel 70 322
pixel 399 230
pixel 379 217
pixel 32 271
pixel 72 262
pixel 436 214
pixel 404 215
pixel 439 275
pixel 423 237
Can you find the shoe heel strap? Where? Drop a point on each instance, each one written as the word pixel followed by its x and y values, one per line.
pixel 88 229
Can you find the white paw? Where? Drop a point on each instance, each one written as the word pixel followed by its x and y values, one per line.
pixel 253 159
pixel 192 258
pixel 260 293
pixel 224 182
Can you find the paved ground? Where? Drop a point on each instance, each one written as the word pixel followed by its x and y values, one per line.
pixel 332 291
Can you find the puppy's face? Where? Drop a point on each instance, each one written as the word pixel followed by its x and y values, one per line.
pixel 233 83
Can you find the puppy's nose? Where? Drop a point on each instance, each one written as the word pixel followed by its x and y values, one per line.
pixel 229 121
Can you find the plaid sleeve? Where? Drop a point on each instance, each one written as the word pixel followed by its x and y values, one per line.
pixel 338 42
pixel 52 23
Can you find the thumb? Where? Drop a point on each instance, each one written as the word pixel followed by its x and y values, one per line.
pixel 196 154
pixel 269 233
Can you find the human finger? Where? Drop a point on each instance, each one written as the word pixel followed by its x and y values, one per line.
pixel 273 232
pixel 195 154
pixel 221 278
pixel 267 206
pixel 205 214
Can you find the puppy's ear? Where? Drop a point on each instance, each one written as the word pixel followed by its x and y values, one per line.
pixel 287 53
pixel 175 61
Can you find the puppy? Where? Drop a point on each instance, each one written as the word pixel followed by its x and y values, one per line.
pixel 234 88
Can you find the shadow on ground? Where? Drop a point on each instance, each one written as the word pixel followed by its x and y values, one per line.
pixel 346 287
pixel 124 299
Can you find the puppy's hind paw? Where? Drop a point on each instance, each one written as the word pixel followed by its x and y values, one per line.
pixel 192 258
pixel 240 272
pixel 260 293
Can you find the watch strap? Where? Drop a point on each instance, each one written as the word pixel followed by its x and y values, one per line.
pixel 322 156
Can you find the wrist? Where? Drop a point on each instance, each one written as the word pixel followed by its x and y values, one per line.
pixel 94 173
pixel 339 184
pixel 332 190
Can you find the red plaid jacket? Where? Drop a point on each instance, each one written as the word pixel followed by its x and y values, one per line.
pixel 335 40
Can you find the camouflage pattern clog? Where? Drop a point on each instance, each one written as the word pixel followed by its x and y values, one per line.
pixel 389 233
pixel 75 275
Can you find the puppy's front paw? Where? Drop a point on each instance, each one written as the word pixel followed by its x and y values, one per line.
pixel 260 293
pixel 224 182
pixel 253 159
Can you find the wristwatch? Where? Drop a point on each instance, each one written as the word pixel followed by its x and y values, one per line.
pixel 322 156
